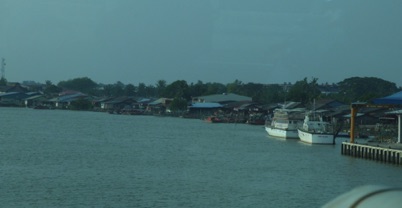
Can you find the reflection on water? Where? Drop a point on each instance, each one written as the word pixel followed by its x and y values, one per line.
pixel 64 158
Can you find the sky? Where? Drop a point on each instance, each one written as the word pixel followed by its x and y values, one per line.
pixel 143 41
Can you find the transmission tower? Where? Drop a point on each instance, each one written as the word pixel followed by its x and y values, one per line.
pixel 3 68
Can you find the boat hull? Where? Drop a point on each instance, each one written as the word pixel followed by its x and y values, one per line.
pixel 282 133
pixel 315 138
pixel 213 119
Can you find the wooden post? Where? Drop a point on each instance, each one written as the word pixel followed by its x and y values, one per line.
pixel 399 128
pixel 342 149
pixel 353 113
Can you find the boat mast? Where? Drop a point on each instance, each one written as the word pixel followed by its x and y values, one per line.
pixel 314 108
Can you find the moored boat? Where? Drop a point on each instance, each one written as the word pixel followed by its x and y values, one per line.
pixel 284 123
pixel 256 119
pixel 41 107
pixel 213 119
pixel 315 130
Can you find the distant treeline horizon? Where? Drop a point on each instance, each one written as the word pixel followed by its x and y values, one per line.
pixel 349 90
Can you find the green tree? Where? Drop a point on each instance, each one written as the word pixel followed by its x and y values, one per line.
pixel 234 87
pixel 151 91
pixel 129 90
pixel 113 90
pixel 197 89
pixel 364 89
pixel 107 90
pixel 84 84
pixel 215 88
pixel 51 89
pixel 118 89
pixel 253 90
pixel 142 90
pixel 160 87
pixel 273 93
pixel 178 89
pixel 81 104
pixel 304 91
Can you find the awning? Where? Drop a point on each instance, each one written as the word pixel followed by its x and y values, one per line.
pixel 394 99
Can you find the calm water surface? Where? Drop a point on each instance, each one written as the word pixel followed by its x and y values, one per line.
pixel 51 158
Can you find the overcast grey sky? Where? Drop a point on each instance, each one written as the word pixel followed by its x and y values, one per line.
pixel 261 41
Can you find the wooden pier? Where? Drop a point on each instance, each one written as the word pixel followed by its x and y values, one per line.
pixel 381 154
pixel 388 153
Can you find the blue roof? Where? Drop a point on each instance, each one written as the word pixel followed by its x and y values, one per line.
pixel 394 99
pixel 14 95
pixel 206 105
pixel 9 93
pixel 68 98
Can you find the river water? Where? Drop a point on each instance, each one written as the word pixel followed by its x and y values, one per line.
pixel 52 158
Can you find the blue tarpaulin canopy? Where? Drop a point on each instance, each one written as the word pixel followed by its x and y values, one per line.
pixel 394 99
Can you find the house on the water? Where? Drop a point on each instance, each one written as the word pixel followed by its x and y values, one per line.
pixel 13 95
pixel 65 100
pixel 215 104
pixel 159 106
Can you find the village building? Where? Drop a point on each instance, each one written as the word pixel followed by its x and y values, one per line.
pixel 12 95
pixel 13 87
pixel 37 101
pixel 199 110
pixel 231 106
pixel 64 101
pixel 160 106
pixel 117 105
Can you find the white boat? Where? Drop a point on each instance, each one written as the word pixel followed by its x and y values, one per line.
pixel 316 131
pixel 284 123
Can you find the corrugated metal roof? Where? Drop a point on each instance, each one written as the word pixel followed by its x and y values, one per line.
pixel 9 93
pixel 290 105
pixel 68 98
pixel 206 105
pixel 35 97
pixel 121 100
pixel 396 112
pixel 224 97
pixel 159 101
pixel 239 104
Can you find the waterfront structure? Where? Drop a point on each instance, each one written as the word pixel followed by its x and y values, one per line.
pixel 35 100
pixel 12 99
pixel 64 101
pixel 391 101
pixel 199 110
pixel 119 103
pixel 396 100
pixel 159 106
pixel 387 154
pixel 392 153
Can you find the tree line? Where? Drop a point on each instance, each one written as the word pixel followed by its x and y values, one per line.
pixel 306 90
